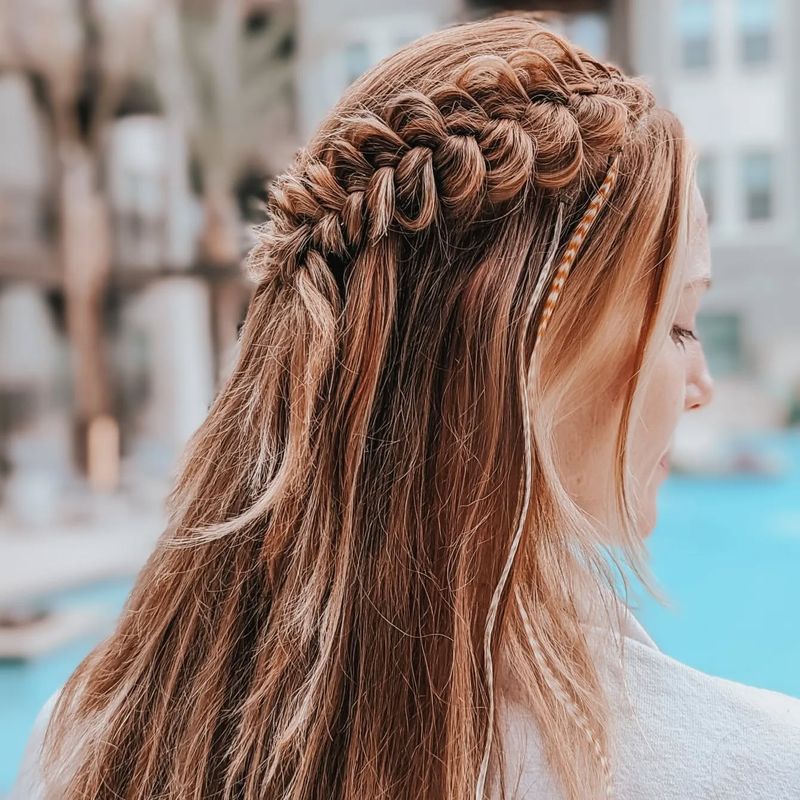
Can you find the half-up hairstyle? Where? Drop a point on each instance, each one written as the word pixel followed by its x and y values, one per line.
pixel 369 537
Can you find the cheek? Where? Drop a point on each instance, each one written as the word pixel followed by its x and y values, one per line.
pixel 663 401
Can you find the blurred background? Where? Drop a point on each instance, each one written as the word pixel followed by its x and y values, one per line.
pixel 136 141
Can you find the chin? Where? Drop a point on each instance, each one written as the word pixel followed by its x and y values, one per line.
pixel 648 519
pixel 649 514
pixel 651 518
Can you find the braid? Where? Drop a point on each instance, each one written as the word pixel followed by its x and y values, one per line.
pixel 498 128
pixel 575 242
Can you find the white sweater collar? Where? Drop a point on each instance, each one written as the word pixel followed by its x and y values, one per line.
pixel 593 614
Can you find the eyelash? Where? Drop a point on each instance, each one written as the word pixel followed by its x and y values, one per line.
pixel 680 335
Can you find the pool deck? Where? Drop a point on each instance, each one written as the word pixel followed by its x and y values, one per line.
pixel 65 556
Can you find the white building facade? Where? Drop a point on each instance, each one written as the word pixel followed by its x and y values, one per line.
pixel 729 68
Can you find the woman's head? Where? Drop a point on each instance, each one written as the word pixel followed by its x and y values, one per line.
pixel 455 158
pixel 389 441
pixel 679 381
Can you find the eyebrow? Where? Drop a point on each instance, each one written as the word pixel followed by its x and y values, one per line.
pixel 704 281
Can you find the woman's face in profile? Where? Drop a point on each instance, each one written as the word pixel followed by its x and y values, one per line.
pixel 680 382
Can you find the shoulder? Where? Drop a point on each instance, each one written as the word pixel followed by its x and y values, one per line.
pixel 703 735
pixel 676 732
pixel 28 784
pixel 525 771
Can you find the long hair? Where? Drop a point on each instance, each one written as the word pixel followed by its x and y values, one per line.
pixel 310 624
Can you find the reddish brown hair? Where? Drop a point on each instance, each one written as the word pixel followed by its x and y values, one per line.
pixel 311 623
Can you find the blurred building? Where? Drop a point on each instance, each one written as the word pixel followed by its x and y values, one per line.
pixel 161 161
pixel 729 69
pixel 136 142
pixel 337 42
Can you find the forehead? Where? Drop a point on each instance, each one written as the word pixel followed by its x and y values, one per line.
pixel 698 252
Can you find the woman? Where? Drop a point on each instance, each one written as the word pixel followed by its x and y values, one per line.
pixel 389 568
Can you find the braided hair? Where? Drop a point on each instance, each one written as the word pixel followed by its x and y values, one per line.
pixel 499 128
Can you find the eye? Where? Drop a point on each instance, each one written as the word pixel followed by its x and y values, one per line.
pixel 680 335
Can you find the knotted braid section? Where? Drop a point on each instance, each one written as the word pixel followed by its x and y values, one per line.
pixel 498 127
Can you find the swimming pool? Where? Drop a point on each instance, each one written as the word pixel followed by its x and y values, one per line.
pixel 726 551
pixel 25 686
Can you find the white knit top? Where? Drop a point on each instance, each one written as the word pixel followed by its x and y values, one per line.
pixel 677 733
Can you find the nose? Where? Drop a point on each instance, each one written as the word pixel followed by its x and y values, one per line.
pixel 700 389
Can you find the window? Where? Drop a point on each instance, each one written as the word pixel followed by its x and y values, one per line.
pixel 358 60
pixel 758 178
pixel 756 31
pixel 706 176
pixel 721 334
pixel 695 25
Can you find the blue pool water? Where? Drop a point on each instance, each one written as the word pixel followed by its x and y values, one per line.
pixel 24 687
pixel 726 551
